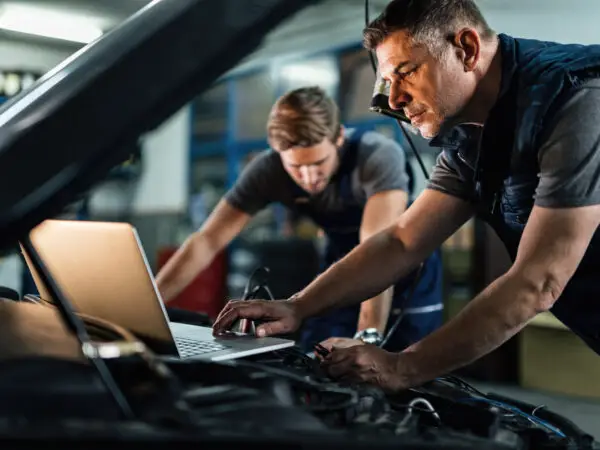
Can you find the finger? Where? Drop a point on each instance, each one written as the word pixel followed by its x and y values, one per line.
pixel 255 309
pixel 348 371
pixel 329 343
pixel 224 309
pixel 339 352
pixel 231 303
pixel 273 328
pixel 217 324
pixel 237 310
pixel 338 355
pixel 227 318
pixel 320 357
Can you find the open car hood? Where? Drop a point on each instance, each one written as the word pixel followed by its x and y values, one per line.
pixel 66 132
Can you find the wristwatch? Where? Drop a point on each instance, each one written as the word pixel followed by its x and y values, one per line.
pixel 369 336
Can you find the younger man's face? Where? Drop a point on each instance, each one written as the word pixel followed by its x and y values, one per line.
pixel 312 167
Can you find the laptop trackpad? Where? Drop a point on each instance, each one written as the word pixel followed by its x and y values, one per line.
pixel 236 345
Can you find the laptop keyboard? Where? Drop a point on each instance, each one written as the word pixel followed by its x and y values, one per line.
pixel 191 347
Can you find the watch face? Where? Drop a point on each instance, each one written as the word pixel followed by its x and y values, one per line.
pixel 369 339
pixel 370 336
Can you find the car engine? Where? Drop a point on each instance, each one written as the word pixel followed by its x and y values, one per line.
pixel 276 399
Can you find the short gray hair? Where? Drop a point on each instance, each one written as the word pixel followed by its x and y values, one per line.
pixel 426 21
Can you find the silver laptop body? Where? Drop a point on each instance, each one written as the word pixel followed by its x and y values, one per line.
pixel 103 270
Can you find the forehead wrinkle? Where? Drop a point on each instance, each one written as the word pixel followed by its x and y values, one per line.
pixel 411 54
pixel 386 67
pixel 393 60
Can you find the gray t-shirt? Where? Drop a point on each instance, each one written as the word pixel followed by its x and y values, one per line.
pixel 569 159
pixel 380 166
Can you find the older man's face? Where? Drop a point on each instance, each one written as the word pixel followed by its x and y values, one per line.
pixel 429 89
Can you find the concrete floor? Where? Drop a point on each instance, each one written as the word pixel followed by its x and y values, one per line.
pixel 583 412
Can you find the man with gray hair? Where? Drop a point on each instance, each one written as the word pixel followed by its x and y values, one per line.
pixel 517 122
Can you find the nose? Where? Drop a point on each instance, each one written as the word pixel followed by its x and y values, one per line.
pixel 309 175
pixel 399 98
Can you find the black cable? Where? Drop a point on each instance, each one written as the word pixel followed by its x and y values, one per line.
pixel 460 383
pixel 351 397
pixel 260 277
pixel 77 327
pixel 409 297
pixel 268 292
pixel 412 146
pixel 291 376
pixel 552 419
pixel 583 439
pixel 294 352
pixel 414 149
pixel 399 122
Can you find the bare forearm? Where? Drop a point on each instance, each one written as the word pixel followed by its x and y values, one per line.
pixel 191 259
pixel 493 317
pixel 374 312
pixel 369 269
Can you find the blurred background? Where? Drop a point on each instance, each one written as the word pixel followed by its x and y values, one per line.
pixel 178 172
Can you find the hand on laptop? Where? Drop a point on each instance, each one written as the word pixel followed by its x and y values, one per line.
pixel 277 317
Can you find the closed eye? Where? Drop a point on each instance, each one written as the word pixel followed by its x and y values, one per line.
pixel 408 73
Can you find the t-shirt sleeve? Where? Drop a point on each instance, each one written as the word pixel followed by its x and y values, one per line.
pixel 449 178
pixel 251 191
pixel 569 159
pixel 384 166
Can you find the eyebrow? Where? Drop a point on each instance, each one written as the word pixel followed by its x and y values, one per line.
pixel 316 163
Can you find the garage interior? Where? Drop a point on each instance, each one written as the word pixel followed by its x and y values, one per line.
pixel 179 171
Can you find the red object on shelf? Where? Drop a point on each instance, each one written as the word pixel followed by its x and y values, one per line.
pixel 207 292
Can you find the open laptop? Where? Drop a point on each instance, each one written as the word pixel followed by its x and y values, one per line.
pixel 104 272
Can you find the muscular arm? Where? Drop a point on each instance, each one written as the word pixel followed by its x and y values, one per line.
pixel 200 248
pixel 386 256
pixel 551 248
pixel 381 211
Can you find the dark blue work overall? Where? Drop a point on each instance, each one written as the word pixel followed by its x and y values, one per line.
pixel 424 312
pixel 536 78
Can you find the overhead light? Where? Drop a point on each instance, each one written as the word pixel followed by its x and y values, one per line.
pixel 47 23
pixel 308 74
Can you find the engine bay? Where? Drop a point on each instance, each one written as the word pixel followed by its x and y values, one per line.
pixel 279 398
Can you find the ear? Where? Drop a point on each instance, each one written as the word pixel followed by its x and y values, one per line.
pixel 468 47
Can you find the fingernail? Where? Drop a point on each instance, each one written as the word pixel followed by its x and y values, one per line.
pixel 260 332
